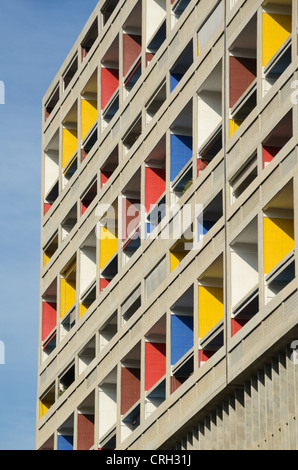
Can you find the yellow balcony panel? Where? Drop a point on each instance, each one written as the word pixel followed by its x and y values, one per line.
pixel 108 245
pixel 69 144
pixel 278 240
pixel 234 125
pixel 68 295
pixel 44 407
pixel 211 308
pixel 276 30
pixel 176 258
pixel 88 115
pixel 68 290
pixel 46 257
pixel 46 402
pixel 82 309
pixel 50 250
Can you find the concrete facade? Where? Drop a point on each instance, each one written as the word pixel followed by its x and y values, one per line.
pixel 177 330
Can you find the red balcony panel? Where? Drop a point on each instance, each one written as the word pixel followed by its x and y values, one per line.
pixel 109 84
pixel 242 74
pixel 155 185
pixel 49 318
pixel 155 363
pixel 132 45
pixel 85 431
pixel 130 388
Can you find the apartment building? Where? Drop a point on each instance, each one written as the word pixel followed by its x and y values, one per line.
pixel 169 294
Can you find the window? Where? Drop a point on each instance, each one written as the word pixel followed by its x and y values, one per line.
pixel 70 72
pixel 89 39
pixel 52 101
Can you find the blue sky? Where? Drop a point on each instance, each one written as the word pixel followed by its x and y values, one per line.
pixel 35 37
